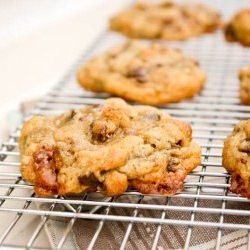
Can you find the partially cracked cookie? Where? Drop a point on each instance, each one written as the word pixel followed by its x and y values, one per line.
pixel 244 77
pixel 149 74
pixel 238 29
pixel 236 158
pixel 108 147
pixel 167 20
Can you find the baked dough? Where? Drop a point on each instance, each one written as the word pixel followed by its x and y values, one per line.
pixel 236 158
pixel 108 147
pixel 149 74
pixel 167 20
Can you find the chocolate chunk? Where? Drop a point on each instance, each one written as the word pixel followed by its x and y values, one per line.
pixel 46 174
pixel 139 73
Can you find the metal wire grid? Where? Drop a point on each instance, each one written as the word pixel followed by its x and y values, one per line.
pixel 204 204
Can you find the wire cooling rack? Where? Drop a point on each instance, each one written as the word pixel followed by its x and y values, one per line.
pixel 204 212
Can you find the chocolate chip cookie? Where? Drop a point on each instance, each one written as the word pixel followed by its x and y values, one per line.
pixel 236 158
pixel 244 77
pixel 167 20
pixel 108 147
pixel 238 29
pixel 150 74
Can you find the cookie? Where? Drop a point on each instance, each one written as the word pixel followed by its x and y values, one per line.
pixel 149 74
pixel 236 158
pixel 108 147
pixel 244 77
pixel 238 29
pixel 167 20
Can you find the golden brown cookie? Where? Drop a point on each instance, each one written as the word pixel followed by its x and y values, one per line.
pixel 244 77
pixel 107 147
pixel 167 20
pixel 236 158
pixel 238 29
pixel 151 74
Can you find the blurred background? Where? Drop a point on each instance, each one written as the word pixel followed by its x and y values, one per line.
pixel 39 40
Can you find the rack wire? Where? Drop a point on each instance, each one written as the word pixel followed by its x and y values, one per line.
pixel 204 207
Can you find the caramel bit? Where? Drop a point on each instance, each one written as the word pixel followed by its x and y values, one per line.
pixel 46 174
pixel 139 73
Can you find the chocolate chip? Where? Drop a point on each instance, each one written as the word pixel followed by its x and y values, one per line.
pixel 72 114
pixel 159 65
pixel 139 73
pixel 196 63
pixel 96 105
pixel 179 143
pixel 168 20
pixel 43 157
pixel 101 135
pixel 153 145
pixel 244 146
pixel 229 32
pixel 243 161
pixel 90 180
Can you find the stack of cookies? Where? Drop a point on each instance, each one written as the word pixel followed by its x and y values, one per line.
pixel 116 146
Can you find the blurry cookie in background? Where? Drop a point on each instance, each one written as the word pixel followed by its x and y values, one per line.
pixel 236 158
pixel 166 20
pixel 244 77
pixel 150 74
pixel 238 29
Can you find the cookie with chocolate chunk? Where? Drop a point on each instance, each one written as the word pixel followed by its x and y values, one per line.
pixel 108 147
pixel 166 20
pixel 150 74
pixel 236 158
pixel 238 29
pixel 244 77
